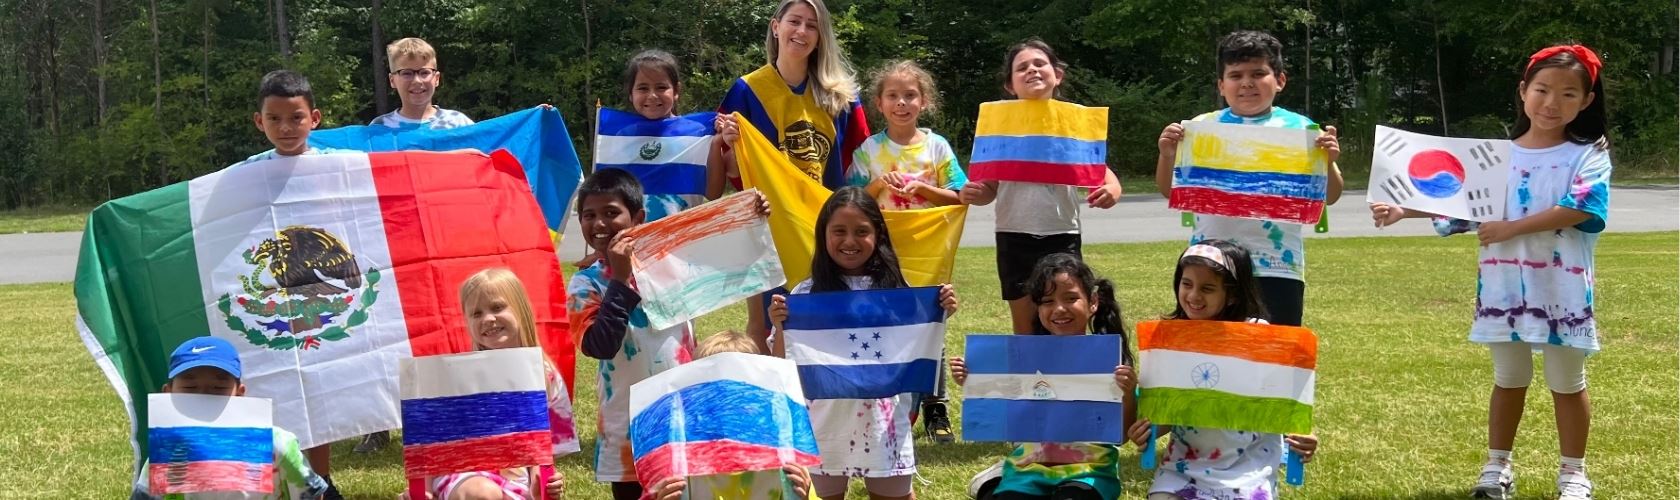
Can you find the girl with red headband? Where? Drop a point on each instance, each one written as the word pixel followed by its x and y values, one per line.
pixel 1534 290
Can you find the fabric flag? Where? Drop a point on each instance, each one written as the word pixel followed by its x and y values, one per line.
pixel 1227 375
pixel 926 239
pixel 1459 178
pixel 1040 140
pixel 536 136
pixel 725 413
pixel 324 271
pixel 704 258
pixel 669 156
pixel 866 344
pixel 485 410
pixel 1043 388
pixel 1251 172
pixel 201 443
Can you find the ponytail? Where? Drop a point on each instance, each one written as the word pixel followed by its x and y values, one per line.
pixel 1107 320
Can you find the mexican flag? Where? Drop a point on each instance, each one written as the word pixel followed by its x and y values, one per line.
pixel 325 271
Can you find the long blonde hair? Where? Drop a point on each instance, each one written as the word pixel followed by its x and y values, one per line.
pixel 833 83
pixel 502 282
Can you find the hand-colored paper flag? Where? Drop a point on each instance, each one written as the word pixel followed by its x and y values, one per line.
pixel 1040 140
pixel 324 271
pixel 536 136
pixel 728 412
pixel 1459 178
pixel 202 444
pixel 1250 171
pixel 1227 375
pixel 1043 388
pixel 485 410
pixel 704 258
pixel 926 239
pixel 668 156
pixel 866 344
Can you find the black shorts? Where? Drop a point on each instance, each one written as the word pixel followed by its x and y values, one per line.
pixel 1018 253
pixel 1284 299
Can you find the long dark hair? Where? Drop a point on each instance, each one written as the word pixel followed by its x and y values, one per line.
pixel 1056 63
pixel 1106 320
pixel 1240 285
pixel 1590 124
pixel 882 266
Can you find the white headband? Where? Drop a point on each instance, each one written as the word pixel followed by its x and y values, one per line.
pixel 1209 252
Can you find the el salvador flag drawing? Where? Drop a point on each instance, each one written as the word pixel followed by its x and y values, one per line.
pixel 484 410
pixel 668 155
pixel 201 443
pixel 1042 388
pixel 866 344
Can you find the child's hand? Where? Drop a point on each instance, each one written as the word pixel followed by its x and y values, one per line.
pixel 1496 232
pixel 948 299
pixel 977 193
pixel 778 310
pixel 618 256
pixel 1168 143
pixel 799 478
pixel 911 187
pixel 1304 445
pixel 1125 378
pixel 1139 433
pixel 895 180
pixel 727 129
pixel 763 204
pixel 670 488
pixel 1327 141
pixel 1103 196
pixel 959 371
pixel 556 488
pixel 1384 214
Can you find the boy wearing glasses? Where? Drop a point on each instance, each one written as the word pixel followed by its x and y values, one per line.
pixel 415 77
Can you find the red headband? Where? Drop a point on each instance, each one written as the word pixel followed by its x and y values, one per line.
pixel 1582 53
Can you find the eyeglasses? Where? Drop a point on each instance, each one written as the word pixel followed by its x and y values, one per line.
pixel 422 73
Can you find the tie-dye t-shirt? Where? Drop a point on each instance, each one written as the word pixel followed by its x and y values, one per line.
pixel 645 353
pixel 1218 464
pixel 1538 287
pixel 863 437
pixel 1036 468
pixel 1275 247
pixel 930 161
pixel 440 119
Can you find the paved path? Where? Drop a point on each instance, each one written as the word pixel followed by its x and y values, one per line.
pixel 51 257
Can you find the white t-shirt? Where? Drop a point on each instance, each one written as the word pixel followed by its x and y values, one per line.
pixel 862 437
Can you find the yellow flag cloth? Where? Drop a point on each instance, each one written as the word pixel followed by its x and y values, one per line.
pixel 925 240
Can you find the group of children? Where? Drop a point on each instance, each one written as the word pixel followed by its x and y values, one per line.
pixel 1534 290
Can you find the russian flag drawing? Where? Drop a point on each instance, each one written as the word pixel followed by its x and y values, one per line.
pixel 866 344
pixel 201 444
pixel 1040 140
pixel 668 155
pixel 1227 375
pixel 1043 388
pixel 725 413
pixel 1250 171
pixel 484 410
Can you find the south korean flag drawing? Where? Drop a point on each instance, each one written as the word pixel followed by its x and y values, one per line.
pixel 1455 177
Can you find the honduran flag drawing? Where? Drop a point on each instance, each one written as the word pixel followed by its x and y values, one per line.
pixel 323 270
pixel 201 444
pixel 866 344
pixel 1043 388
pixel 668 155
pixel 1040 140
pixel 725 413
pixel 1250 171
pixel 1227 375
pixel 485 410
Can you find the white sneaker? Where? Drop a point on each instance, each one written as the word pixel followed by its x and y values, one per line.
pixel 1574 486
pixel 1498 482
pixel 993 472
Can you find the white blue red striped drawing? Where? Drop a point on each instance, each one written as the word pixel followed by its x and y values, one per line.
pixel 200 444
pixel 476 411
pixel 866 344
pixel 1042 388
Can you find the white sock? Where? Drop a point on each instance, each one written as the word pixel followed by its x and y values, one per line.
pixel 1572 466
pixel 1499 457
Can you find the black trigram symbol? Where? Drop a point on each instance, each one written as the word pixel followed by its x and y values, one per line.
pixel 1391 143
pixel 1484 155
pixel 1398 189
pixel 1482 196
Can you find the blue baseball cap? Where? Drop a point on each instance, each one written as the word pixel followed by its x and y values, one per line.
pixel 204 351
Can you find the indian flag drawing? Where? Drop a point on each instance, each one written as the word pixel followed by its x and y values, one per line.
pixel 1227 375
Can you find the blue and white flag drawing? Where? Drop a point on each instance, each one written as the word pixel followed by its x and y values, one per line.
pixel 866 344
pixel 668 156
pixel 1042 388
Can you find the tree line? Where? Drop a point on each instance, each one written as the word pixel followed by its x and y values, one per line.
pixel 111 97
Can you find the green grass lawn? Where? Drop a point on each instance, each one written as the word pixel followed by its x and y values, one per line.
pixel 43 219
pixel 1401 394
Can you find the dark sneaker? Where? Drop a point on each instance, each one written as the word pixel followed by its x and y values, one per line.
pixel 332 491
pixel 372 443
pixel 936 422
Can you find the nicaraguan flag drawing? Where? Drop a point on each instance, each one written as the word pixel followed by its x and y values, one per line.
pixel 485 410
pixel 200 444
pixel 668 155
pixel 866 344
pixel 1042 388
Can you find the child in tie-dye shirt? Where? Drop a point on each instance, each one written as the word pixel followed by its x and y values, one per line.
pixel 905 167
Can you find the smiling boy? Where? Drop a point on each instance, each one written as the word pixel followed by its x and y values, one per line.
pixel 415 78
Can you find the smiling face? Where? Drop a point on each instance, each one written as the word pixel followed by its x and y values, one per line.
pixel 415 79
pixel 1250 86
pixel 603 216
pixel 653 94
pixel 1552 98
pixel 286 121
pixel 207 380
pixel 850 240
pixel 1202 293
pixel 1033 76
pixel 1067 309
pixel 492 322
pixel 900 101
pixel 797 32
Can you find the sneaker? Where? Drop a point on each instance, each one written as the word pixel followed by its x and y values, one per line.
pixel 332 490
pixel 1574 486
pixel 1498 482
pixel 937 422
pixel 372 443
pixel 990 475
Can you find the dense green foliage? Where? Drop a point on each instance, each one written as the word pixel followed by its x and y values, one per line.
pixel 101 102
